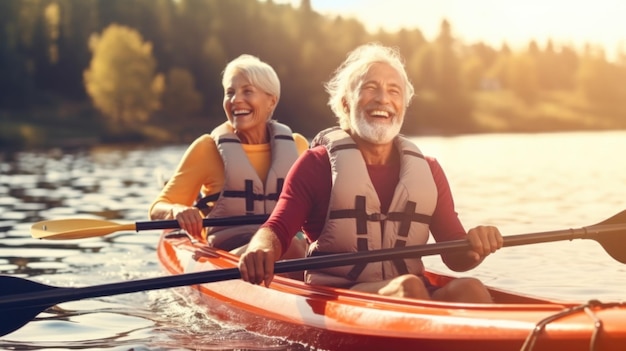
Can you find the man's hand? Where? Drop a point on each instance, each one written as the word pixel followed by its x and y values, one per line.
pixel 484 240
pixel 256 265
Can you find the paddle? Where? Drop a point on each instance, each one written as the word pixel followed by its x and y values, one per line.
pixel 21 300
pixel 59 229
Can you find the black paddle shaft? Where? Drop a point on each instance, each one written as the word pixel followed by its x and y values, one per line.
pixel 47 296
pixel 24 299
pixel 207 222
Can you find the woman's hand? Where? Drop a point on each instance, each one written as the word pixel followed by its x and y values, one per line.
pixel 189 219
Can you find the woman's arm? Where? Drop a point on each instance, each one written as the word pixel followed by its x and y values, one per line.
pixel 200 166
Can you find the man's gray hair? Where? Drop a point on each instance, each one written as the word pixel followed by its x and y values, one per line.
pixel 346 81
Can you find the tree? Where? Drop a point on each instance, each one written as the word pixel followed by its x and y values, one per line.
pixel 599 80
pixel 181 97
pixel 452 101
pixel 522 77
pixel 121 78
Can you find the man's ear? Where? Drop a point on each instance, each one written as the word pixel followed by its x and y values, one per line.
pixel 346 107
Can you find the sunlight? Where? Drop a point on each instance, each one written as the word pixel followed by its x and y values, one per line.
pixel 492 21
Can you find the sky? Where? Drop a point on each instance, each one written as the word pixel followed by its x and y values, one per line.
pixel 571 22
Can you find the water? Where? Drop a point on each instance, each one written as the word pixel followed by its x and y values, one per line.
pixel 521 183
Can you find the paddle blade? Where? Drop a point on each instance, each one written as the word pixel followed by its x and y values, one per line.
pixel 613 244
pixel 611 234
pixel 16 315
pixel 62 229
pixel 619 218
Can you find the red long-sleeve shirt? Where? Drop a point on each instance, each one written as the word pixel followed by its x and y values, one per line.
pixel 303 203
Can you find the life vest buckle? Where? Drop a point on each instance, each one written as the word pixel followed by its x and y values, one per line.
pixel 377 217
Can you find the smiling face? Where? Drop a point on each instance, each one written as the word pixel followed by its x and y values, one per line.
pixel 377 112
pixel 247 107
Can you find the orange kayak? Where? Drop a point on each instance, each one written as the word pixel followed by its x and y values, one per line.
pixel 338 319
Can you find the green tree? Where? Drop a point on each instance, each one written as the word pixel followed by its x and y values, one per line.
pixel 598 80
pixel 15 78
pixel 498 71
pixel 522 77
pixel 472 72
pixel 452 103
pixel 214 60
pixel 181 97
pixel 446 64
pixel 121 78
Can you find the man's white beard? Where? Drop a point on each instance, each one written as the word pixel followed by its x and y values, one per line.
pixel 375 133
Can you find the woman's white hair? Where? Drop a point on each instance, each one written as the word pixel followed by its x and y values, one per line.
pixel 344 84
pixel 257 72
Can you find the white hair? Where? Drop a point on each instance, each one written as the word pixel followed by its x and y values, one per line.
pixel 344 84
pixel 257 72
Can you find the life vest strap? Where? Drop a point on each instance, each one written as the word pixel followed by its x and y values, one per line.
pixel 250 196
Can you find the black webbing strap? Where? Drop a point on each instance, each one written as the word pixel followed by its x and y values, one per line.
pixel 284 137
pixel 249 195
pixel 356 271
pixel 361 217
pixel 358 213
pixel 399 263
pixel 203 203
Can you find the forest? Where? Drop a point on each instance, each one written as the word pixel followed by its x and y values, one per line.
pixel 85 72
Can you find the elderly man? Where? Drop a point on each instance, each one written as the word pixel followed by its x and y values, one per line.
pixel 362 186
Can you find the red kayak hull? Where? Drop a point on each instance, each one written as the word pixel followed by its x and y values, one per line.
pixel 338 319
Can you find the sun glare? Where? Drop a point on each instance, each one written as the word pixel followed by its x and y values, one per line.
pixel 493 21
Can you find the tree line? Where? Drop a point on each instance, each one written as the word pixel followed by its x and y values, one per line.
pixel 151 70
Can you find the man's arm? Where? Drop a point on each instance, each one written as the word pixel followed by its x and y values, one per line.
pixel 446 226
pixel 302 186
pixel 257 263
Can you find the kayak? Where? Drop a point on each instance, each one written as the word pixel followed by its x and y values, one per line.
pixel 338 319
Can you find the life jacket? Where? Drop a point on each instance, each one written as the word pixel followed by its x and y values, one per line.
pixel 244 193
pixel 354 220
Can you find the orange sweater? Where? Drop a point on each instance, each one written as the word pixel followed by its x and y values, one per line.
pixel 201 169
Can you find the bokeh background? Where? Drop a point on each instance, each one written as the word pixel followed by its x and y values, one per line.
pixel 87 72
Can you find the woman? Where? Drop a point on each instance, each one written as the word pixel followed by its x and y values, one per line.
pixel 239 168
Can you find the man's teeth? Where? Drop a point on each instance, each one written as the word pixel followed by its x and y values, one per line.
pixel 380 113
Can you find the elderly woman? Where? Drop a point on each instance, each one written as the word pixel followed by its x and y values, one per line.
pixel 240 167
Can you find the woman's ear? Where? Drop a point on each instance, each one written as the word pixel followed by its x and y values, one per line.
pixel 273 102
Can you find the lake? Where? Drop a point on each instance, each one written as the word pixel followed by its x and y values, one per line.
pixel 522 183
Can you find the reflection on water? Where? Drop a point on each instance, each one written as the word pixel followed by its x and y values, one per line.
pixel 536 183
pixel 521 183
pixel 114 184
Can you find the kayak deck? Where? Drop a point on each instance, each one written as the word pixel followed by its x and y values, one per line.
pixel 340 319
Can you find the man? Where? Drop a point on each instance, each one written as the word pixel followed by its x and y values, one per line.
pixel 362 186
